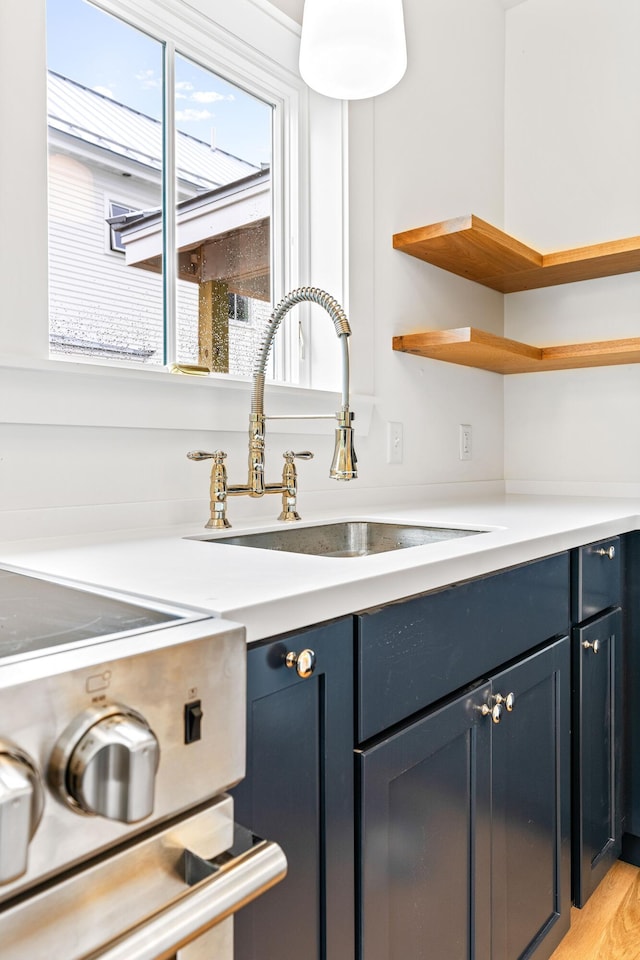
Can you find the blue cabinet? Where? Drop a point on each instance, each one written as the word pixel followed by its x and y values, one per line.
pixel 464 769
pixel 465 822
pixel 299 791
pixel 451 712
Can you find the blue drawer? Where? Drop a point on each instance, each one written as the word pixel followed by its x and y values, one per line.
pixel 596 578
pixel 414 652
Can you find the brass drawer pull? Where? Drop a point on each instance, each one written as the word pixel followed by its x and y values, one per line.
pixel 595 646
pixel 500 703
pixel 304 662
pixel 610 552
pixel 495 711
pixel 509 701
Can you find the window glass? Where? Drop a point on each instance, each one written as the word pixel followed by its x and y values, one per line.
pixel 223 218
pixel 105 136
pixel 239 308
pixel 107 228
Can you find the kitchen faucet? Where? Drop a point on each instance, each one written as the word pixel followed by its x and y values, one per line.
pixel 343 466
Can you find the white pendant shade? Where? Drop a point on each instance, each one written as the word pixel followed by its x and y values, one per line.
pixel 352 49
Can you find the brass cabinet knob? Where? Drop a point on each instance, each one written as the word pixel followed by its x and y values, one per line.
pixel 495 711
pixel 610 552
pixel 595 646
pixel 509 701
pixel 304 662
pixel 497 703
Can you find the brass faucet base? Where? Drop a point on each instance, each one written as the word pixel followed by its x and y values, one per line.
pixel 288 515
pixel 217 523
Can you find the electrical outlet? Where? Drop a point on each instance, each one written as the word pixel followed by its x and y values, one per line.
pixel 394 442
pixel 465 441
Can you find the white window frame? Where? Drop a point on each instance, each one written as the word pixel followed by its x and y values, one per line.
pixel 246 37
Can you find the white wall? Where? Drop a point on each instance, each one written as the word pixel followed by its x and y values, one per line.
pixel 432 148
pixel 571 177
pixel 436 141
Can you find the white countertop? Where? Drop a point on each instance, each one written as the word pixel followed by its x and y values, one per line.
pixel 272 592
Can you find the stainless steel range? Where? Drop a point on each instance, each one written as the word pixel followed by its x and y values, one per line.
pixel 121 724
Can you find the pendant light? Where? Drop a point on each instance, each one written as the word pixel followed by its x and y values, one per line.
pixel 352 49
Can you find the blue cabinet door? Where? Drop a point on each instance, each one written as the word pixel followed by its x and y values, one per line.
pixel 425 840
pixel 299 791
pixel 597 699
pixel 531 806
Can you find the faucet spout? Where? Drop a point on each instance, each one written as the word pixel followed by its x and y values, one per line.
pixel 340 322
pixel 343 466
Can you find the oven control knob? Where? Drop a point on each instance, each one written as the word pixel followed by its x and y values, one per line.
pixel 21 802
pixel 111 765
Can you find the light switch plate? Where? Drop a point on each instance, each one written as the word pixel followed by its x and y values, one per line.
pixel 466 441
pixel 394 442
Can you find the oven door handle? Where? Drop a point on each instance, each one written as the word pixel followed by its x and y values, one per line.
pixel 234 884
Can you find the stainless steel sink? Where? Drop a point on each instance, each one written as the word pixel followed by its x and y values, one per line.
pixel 348 538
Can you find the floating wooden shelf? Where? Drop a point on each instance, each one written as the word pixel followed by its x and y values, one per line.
pixel 474 249
pixel 475 348
pixel 471 248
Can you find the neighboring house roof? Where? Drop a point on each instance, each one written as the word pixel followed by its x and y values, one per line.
pixel 228 229
pixel 96 119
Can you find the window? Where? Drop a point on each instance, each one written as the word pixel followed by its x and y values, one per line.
pixel 118 214
pixel 238 308
pixel 196 151
pixel 252 45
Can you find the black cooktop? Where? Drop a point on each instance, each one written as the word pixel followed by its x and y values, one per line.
pixel 37 614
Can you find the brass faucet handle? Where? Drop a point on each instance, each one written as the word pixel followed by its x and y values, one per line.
pixel 290 483
pixel 218 490
pixel 217 455
pixel 290 456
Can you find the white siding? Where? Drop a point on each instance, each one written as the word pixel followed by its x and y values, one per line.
pixel 93 296
pixel 100 307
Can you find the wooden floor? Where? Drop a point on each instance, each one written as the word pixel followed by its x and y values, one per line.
pixel 608 927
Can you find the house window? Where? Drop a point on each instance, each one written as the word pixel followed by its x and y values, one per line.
pixel 117 212
pixel 127 100
pixel 238 308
